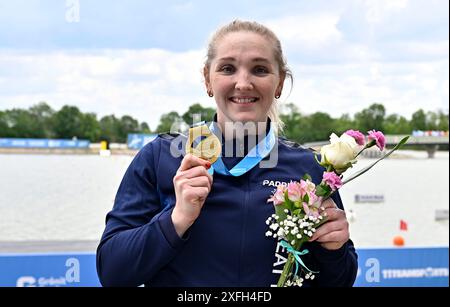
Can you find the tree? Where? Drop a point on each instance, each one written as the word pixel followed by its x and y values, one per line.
pixel 127 125
pixel 204 114
pixel 67 123
pixel 436 120
pixel 321 125
pixel 167 121
pixel 395 124
pixel 109 128
pixel 419 120
pixel 371 118
pixel 4 126
pixel 42 115
pixel 343 124
pixel 144 128
pixel 442 121
pixel 293 121
pixel 90 127
pixel 21 124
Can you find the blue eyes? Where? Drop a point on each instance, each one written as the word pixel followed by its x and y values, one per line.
pixel 258 70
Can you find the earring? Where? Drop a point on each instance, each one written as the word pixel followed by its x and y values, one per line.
pixel 210 94
pixel 277 96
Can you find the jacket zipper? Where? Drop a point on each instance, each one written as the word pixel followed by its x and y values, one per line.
pixel 244 226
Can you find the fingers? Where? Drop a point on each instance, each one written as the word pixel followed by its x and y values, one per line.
pixel 334 236
pixel 325 229
pixel 198 171
pixel 328 203
pixel 195 195
pixel 336 222
pixel 182 184
pixel 199 182
pixel 190 161
pixel 334 214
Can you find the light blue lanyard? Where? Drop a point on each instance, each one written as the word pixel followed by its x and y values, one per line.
pixel 255 155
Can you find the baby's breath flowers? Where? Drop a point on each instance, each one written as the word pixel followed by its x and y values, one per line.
pixel 297 216
pixel 298 210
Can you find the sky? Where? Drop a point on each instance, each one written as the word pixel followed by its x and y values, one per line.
pixel 144 58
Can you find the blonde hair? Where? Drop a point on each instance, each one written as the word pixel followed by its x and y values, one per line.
pixel 257 28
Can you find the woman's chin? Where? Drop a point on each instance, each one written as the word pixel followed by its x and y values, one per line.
pixel 245 118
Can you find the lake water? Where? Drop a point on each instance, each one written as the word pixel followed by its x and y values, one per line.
pixel 66 197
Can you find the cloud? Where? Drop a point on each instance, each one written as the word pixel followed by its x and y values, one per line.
pixel 310 32
pixel 149 83
pixel 344 55
pixel 378 10
pixel 142 83
pixel 402 88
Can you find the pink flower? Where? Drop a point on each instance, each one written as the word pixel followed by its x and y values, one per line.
pixel 378 138
pixel 313 199
pixel 295 191
pixel 358 136
pixel 307 187
pixel 278 197
pixel 332 180
pixel 311 210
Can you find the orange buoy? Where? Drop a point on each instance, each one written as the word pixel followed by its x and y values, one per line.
pixel 399 241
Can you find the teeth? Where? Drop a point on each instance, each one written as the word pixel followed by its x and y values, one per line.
pixel 244 100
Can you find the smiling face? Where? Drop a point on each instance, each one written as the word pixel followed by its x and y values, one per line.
pixel 244 77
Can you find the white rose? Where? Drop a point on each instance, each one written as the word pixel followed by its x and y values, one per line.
pixel 347 139
pixel 340 153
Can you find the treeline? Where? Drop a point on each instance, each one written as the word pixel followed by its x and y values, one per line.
pixel 41 121
pixel 318 126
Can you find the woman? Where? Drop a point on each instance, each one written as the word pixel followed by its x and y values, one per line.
pixel 184 222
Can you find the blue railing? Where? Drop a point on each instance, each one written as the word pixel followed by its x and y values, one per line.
pixel 43 143
pixel 390 267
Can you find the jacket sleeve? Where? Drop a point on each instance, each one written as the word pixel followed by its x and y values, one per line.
pixel 139 239
pixel 337 268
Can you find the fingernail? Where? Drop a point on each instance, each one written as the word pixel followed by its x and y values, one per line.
pixel 207 165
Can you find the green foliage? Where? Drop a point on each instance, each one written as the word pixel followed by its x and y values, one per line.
pixel 41 121
pixel 167 120
pixel 323 190
pixel 395 124
pixel 371 118
pixel 419 120
pixel 197 113
pixel 109 128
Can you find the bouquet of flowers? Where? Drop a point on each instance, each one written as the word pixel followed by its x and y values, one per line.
pixel 298 210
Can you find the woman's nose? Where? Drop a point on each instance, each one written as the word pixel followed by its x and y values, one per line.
pixel 243 82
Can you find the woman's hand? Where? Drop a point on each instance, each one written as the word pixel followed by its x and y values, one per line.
pixel 192 185
pixel 334 233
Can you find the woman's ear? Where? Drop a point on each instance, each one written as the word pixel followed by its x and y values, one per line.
pixel 279 89
pixel 206 76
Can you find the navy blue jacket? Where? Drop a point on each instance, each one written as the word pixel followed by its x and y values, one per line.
pixel 226 246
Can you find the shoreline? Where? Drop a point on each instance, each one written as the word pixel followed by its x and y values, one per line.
pixel 400 154
pixel 50 246
pixel 60 151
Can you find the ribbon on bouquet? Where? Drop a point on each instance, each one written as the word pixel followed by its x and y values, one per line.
pixel 297 254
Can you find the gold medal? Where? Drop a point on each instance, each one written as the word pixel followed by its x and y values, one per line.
pixel 208 149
